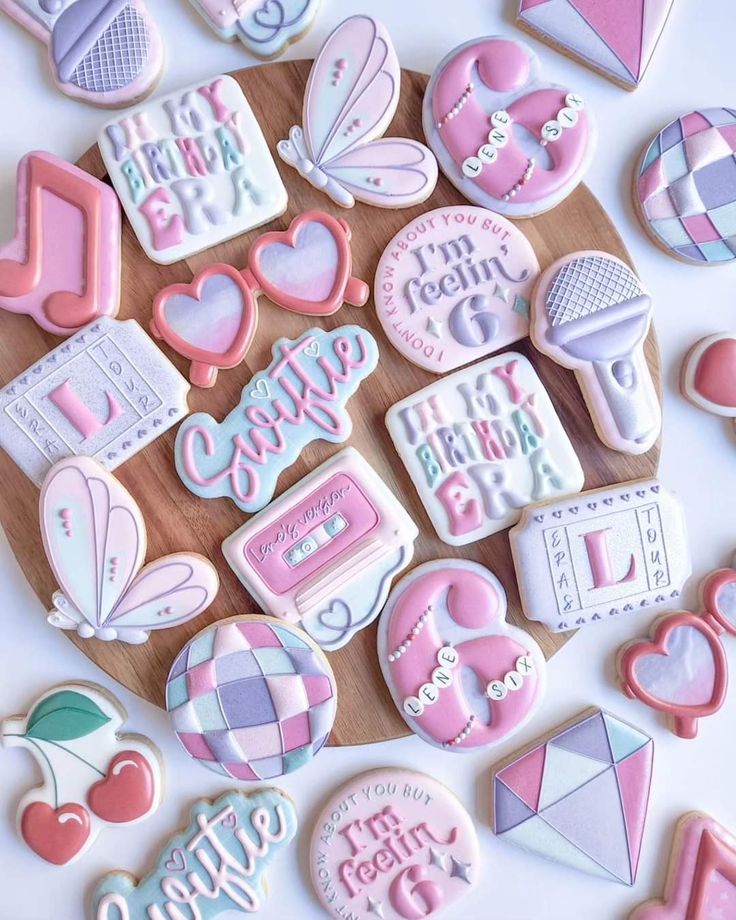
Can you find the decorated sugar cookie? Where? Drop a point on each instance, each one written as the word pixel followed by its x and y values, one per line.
pixel 509 141
pixel 92 776
pixel 251 698
pixel 94 536
pixel 579 796
pixel 107 392
pixel 63 266
pixel 265 27
pixel 299 398
pixel 216 866
pixel 701 881
pixel 685 187
pixel 324 553
pixel 351 97
pixel 586 558
pixel 683 670
pixel 615 37
pixel 444 620
pixel 482 444
pixel 393 844
pixel 591 313
pixel 107 54
pixel 192 169
pixel 453 286
pixel 709 374
pixel 212 320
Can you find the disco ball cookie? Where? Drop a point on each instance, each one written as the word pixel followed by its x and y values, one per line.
pixel 685 187
pixel 251 698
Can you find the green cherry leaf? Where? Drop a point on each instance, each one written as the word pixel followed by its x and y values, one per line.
pixel 64 716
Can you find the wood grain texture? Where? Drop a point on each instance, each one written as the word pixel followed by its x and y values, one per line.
pixel 177 520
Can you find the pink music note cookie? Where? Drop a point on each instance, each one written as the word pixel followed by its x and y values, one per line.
pixel 251 697
pixel 615 37
pixel 454 285
pixel 92 776
pixel 351 97
pixel 63 266
pixel 708 376
pixel 509 141
pixel 701 880
pixel 481 444
pixel 105 52
pixel 585 558
pixel 393 844
pixel 305 269
pixel 94 536
pixel 265 27
pixel 579 796
pixel 324 553
pixel 192 169
pixel 216 866
pixel 591 313
pixel 443 621
pixel 683 670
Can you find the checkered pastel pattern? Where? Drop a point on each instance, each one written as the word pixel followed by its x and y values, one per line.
pixel 687 186
pixel 251 699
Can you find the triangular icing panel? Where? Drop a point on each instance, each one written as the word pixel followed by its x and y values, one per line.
pixel 508 809
pixel 624 738
pixel 588 738
pixel 565 771
pixel 619 24
pixel 524 776
pixel 634 778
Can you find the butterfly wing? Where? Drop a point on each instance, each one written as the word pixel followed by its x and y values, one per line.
pixel 94 537
pixel 166 592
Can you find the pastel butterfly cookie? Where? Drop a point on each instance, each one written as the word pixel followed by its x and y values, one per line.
pixel 506 139
pixel 94 536
pixel 216 866
pixel 393 844
pixel 444 620
pixel 265 27
pixel 351 97
pixel 92 776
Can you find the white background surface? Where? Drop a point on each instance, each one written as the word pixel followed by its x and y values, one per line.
pixel 693 67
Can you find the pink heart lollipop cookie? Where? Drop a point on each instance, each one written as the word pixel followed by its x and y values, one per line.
pixel 393 844
pixel 506 139
pixel 445 619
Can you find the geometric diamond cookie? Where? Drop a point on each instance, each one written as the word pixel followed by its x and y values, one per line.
pixel 251 698
pixel 579 796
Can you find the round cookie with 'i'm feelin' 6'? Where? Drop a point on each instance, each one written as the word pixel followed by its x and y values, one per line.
pixel 393 844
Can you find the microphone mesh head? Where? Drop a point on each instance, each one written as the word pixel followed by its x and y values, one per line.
pixel 117 57
pixel 587 285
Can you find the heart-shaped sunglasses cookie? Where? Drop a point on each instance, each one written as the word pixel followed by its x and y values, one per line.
pixel 305 269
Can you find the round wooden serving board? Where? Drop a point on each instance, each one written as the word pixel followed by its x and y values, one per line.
pixel 177 520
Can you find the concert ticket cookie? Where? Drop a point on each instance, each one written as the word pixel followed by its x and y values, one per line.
pixel 393 844
pixel 591 313
pixel 351 97
pixel 109 54
pixel 508 141
pixel 685 187
pixel 192 169
pixel 251 697
pixel 454 286
pixel 94 536
pixel 305 269
pixel 216 866
pixel 585 558
pixel 265 27
pixel 708 376
pixel 323 554
pixel 445 619
pixel 92 776
pixel 63 266
pixel 482 444
pixel 701 881
pixel 299 398
pixel 579 796
pixel 683 670
pixel 616 39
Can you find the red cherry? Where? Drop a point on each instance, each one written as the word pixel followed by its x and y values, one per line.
pixel 56 835
pixel 127 792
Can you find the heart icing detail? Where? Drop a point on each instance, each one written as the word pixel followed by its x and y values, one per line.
pixel 312 350
pixel 607 501
pixel 127 791
pixel 270 16
pixel 230 820
pixel 337 615
pixel 56 835
pixel 177 861
pixel 260 390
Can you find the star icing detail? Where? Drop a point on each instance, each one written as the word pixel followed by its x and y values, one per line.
pixel 434 327
pixel 503 293
pixel 460 870
pixel 375 907
pixel 437 859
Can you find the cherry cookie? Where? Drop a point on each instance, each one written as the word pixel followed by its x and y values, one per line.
pixel 708 377
pixel 92 775
pixel 393 844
